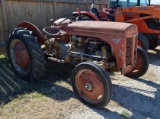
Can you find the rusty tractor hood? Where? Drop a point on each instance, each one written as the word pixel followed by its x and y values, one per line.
pixel 96 28
pixel 121 37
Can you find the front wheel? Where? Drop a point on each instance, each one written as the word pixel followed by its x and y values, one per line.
pixel 141 66
pixel 91 84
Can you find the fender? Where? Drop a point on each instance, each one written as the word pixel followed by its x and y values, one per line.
pixel 102 14
pixel 34 29
pixel 88 14
pixel 143 28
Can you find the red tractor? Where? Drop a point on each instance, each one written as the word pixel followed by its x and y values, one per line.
pixel 93 47
pixel 138 12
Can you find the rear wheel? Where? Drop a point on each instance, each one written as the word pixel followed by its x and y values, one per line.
pixel 153 43
pixel 143 41
pixel 91 84
pixel 141 66
pixel 25 55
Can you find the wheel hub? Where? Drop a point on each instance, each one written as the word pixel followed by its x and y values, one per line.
pixel 88 86
pixel 19 56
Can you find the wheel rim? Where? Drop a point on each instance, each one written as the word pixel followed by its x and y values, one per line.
pixel 19 56
pixel 89 86
pixel 139 65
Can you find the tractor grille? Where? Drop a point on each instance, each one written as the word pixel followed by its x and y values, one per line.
pixel 129 45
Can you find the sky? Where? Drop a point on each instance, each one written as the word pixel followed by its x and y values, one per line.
pixel 155 2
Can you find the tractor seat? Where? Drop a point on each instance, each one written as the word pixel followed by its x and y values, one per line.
pixel 54 32
pixel 95 11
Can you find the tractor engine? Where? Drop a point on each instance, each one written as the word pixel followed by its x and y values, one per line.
pixel 78 49
pixel 90 47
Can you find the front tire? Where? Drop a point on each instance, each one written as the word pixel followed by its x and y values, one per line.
pixel 91 84
pixel 25 55
pixel 141 66
pixel 143 41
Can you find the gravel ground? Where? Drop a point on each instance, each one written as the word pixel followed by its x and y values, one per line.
pixel 132 98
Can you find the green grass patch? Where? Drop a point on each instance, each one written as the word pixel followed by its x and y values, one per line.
pixel 2 56
pixel 30 96
pixel 125 114
pixel 3 60
pixel 34 95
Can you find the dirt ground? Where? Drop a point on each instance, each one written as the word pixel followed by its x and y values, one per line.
pixel 54 99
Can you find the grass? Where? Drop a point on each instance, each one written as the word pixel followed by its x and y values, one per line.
pixel 125 114
pixel 40 102
pixel 30 96
pixel 27 98
pixel 2 56
pixel 20 99
pixel 3 60
pixel 22 104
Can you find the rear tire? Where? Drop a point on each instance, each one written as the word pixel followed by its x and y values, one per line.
pixel 143 41
pixel 141 66
pixel 91 84
pixel 25 55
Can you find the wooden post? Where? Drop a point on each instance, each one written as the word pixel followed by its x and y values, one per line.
pixel 55 8
pixel 87 4
pixel 4 15
pixel 1 24
pixel 2 30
